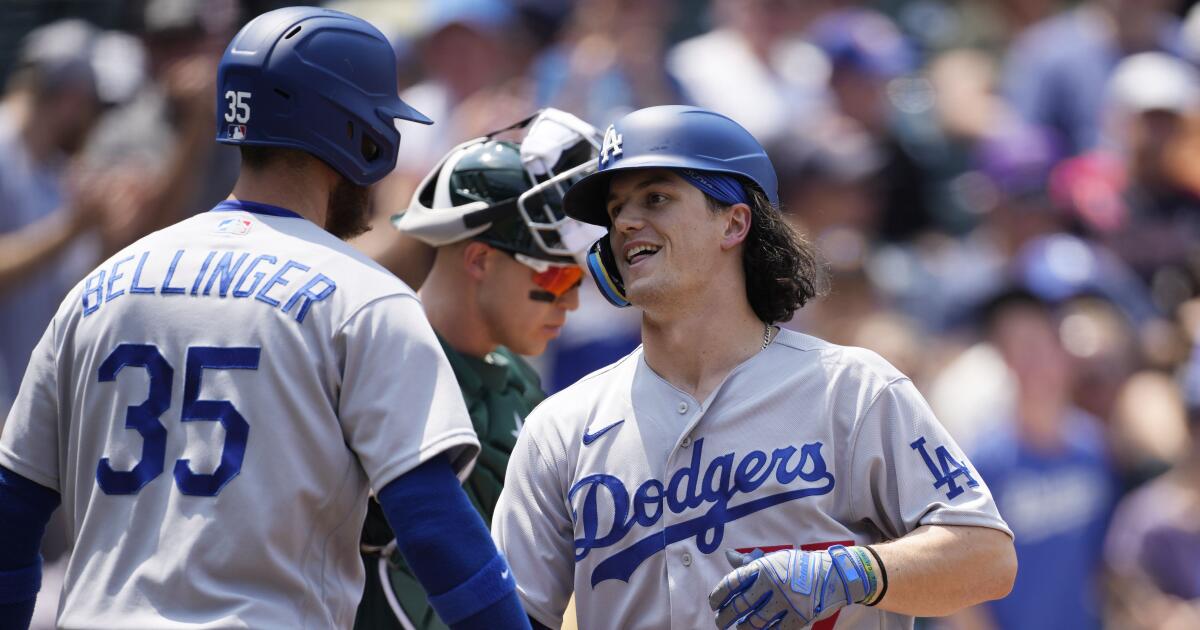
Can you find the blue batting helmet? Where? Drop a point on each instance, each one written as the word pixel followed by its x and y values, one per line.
pixel 671 136
pixel 317 80
pixel 667 136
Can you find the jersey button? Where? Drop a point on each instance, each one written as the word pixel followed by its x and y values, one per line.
pixel 686 442
pixel 683 407
pixel 686 559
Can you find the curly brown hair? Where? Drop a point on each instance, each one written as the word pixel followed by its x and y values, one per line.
pixel 782 268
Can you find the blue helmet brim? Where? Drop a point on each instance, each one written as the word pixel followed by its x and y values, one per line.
pixel 404 111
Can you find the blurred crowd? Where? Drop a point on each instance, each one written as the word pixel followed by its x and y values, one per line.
pixel 1005 194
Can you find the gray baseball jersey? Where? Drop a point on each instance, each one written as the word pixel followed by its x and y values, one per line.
pixel 626 490
pixel 212 404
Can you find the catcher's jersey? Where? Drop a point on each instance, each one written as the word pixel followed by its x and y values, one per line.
pixel 212 404
pixel 626 490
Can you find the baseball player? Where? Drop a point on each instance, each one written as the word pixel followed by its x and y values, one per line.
pixel 728 467
pixel 502 283
pixel 212 404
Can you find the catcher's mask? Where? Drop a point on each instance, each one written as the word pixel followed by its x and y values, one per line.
pixel 509 194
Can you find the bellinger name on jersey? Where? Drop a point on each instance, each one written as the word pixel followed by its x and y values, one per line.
pixel 221 274
pixel 689 488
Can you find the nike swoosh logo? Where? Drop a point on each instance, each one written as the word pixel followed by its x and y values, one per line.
pixel 504 575
pixel 589 438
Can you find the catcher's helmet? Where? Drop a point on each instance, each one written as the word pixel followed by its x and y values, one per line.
pixel 508 194
pixel 317 80
pixel 667 136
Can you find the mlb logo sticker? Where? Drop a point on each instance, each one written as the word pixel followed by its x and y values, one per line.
pixel 237 132
pixel 237 226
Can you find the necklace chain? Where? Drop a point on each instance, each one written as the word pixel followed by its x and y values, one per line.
pixel 766 337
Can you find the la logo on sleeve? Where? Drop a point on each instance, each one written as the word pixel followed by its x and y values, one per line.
pixel 945 469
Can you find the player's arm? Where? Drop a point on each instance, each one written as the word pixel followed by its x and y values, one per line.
pixel 933 571
pixel 447 545
pixel 948 548
pixel 939 569
pixel 25 508
pixel 403 415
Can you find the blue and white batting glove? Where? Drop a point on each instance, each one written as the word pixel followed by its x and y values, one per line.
pixel 790 589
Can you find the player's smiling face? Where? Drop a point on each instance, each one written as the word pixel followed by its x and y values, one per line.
pixel 665 238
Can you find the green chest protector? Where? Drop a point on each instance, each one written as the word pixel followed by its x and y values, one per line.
pixel 500 390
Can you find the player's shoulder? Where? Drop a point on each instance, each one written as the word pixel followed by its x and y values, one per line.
pixel 360 280
pixel 850 362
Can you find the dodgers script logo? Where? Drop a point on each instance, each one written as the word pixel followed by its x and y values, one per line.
pixel 717 486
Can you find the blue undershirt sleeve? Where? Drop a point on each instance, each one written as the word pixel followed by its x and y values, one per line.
pixel 25 507
pixel 449 549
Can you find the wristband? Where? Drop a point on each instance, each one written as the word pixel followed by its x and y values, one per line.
pixel 883 580
pixel 489 585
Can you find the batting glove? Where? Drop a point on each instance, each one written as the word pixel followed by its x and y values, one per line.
pixel 790 589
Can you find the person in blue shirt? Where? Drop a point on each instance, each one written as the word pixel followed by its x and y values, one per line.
pixel 1049 471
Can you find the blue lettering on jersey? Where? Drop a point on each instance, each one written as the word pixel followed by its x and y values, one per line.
pixel 946 469
pixel 278 279
pixel 137 276
pixel 167 289
pixel 93 288
pixel 307 294
pixel 203 270
pixel 316 288
pixel 113 277
pixel 238 291
pixel 690 488
pixel 226 269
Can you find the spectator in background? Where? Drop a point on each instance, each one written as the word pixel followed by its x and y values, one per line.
pixel 1014 161
pixel 53 212
pixel 866 53
pixel 1147 426
pixel 755 66
pixel 472 51
pixel 610 61
pixel 475 53
pixel 163 137
pixel 1048 469
pixel 49 210
pixel 1056 72
pixel 1153 547
pixel 1136 195
pixel 829 193
pixel 939 282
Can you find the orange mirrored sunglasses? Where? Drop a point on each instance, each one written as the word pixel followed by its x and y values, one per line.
pixel 556 280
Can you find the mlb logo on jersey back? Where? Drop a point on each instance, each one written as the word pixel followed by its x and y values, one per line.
pixel 237 132
pixel 237 226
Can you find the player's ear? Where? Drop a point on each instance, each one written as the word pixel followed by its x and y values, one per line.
pixel 737 225
pixel 475 259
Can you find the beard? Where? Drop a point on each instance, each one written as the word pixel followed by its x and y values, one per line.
pixel 349 210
